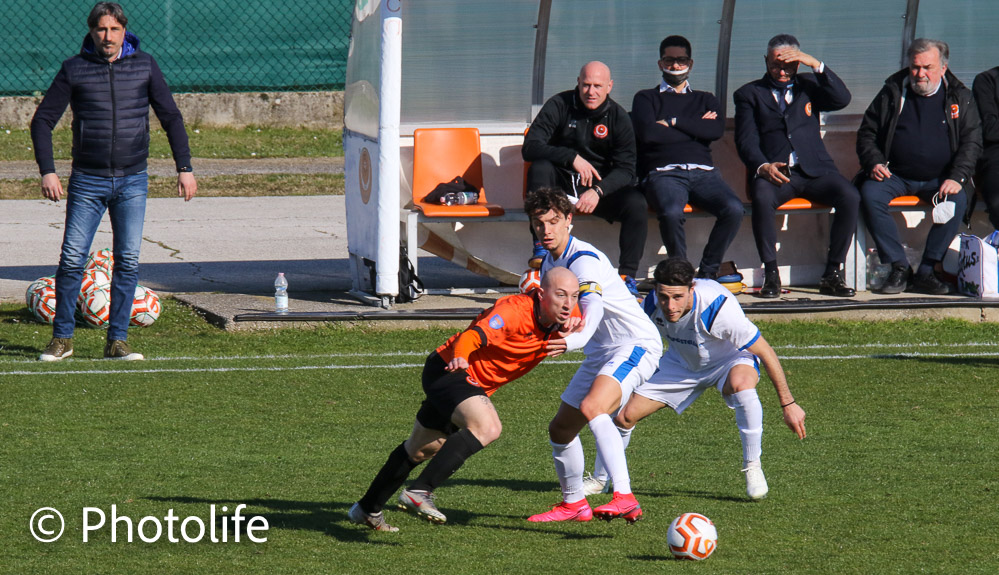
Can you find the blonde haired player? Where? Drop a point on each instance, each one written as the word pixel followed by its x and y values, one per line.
pixel 711 344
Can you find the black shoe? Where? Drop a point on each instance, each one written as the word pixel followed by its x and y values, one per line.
pixel 897 280
pixel 701 274
pixel 929 284
pixel 834 284
pixel 771 285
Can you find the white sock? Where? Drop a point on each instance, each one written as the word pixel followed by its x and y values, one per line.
pixel 569 465
pixel 599 469
pixel 611 448
pixel 749 419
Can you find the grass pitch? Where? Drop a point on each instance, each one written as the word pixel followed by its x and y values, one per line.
pixel 897 474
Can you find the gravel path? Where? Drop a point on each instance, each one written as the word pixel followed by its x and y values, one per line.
pixel 203 167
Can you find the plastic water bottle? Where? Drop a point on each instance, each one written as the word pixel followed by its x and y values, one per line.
pixel 281 294
pixel 460 198
pixel 877 272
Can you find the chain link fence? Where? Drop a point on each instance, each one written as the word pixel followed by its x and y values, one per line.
pixel 201 45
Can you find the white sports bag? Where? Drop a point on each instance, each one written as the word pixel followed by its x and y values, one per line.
pixel 979 263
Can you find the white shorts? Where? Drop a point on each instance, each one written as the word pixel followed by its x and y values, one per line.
pixel 678 387
pixel 630 366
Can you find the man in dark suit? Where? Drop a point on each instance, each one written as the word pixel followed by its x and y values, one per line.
pixel 777 136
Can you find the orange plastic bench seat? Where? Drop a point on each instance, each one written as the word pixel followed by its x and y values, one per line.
pixel 905 202
pixel 440 154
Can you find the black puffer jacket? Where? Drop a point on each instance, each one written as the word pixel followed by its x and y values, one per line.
pixel 110 102
pixel 877 129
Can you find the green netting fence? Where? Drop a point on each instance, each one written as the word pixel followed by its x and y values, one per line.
pixel 201 45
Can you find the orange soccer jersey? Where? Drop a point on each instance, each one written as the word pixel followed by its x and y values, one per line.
pixel 503 343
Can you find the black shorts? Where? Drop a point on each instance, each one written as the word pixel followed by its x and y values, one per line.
pixel 445 390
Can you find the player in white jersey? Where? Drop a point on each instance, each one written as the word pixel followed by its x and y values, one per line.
pixel 622 348
pixel 711 344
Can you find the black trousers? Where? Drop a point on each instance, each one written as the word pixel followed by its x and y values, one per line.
pixel 626 205
pixel 831 190
pixel 988 183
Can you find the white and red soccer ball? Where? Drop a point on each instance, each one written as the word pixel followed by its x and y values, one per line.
pixel 41 300
pixel 145 307
pixel 531 280
pixel 101 259
pixel 692 536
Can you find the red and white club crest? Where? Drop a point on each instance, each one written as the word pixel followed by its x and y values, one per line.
pixel 808 108
pixel 955 111
pixel 600 131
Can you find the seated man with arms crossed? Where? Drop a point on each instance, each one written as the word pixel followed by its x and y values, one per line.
pixel 674 127
pixel 622 348
pixel 502 344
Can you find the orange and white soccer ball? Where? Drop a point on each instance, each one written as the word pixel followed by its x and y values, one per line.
pixel 41 299
pixel 95 308
pixel 531 280
pixel 145 307
pixel 93 279
pixel 692 536
pixel 101 259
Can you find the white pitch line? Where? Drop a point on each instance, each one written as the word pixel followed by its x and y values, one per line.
pixel 920 344
pixel 334 367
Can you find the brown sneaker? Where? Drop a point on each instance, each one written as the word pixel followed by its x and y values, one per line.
pixel 57 350
pixel 118 349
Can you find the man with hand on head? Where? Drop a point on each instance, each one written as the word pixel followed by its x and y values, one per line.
pixel 582 143
pixel 778 137
pixel 457 418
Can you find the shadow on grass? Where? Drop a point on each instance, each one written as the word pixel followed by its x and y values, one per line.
pixel 691 493
pixel 549 529
pixel 511 484
pixel 323 516
pixel 652 558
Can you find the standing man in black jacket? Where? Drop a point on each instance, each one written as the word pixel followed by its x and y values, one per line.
pixel 582 142
pixel 923 123
pixel 110 85
pixel 777 135
pixel 674 128
pixel 986 90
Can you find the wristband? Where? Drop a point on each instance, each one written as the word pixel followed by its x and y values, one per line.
pixel 788 404
pixel 597 189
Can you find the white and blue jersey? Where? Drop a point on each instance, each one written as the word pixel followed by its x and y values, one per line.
pixel 622 322
pixel 714 332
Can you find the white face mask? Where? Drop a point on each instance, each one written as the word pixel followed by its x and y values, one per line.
pixel 676 77
pixel 943 210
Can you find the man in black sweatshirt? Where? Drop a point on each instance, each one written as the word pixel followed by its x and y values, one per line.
pixel 582 142
pixel 674 128
pixel 924 124
pixel 110 84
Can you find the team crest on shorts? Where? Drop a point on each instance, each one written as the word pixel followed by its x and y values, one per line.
pixel 600 131
pixel 496 322
pixel 808 108
pixel 955 111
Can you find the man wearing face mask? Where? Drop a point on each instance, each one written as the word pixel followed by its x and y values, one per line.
pixel 582 142
pixel 674 128
pixel 923 123
pixel 777 135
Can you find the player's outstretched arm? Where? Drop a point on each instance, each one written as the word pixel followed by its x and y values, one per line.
pixel 794 415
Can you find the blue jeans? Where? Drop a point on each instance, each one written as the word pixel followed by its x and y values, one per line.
pixel 669 191
pixel 875 196
pixel 87 198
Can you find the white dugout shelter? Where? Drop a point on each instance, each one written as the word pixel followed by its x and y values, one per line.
pixel 417 64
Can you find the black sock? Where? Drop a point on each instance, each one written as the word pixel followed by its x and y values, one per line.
pixel 389 479
pixel 831 267
pixel 458 447
pixel 770 267
pixel 900 264
pixel 925 268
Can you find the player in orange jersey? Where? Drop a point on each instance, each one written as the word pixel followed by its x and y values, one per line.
pixel 457 419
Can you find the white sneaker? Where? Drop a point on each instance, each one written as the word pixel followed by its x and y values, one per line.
pixel 756 483
pixel 593 486
pixel 422 504
pixel 376 521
